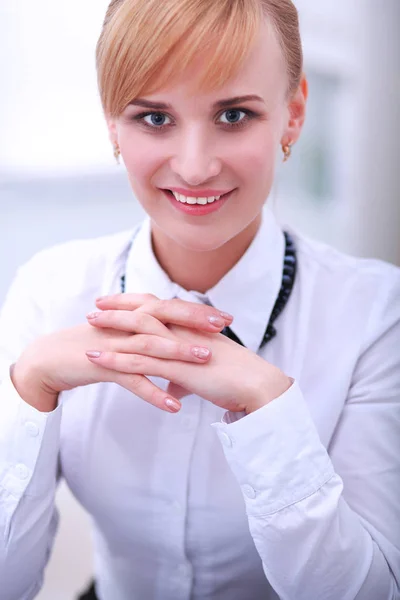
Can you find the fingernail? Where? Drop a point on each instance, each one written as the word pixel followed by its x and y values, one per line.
pixel 200 352
pixel 101 298
pixel 173 405
pixel 226 316
pixel 93 354
pixel 217 322
pixel 93 315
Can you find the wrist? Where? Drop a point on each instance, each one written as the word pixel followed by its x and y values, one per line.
pixel 270 390
pixel 32 390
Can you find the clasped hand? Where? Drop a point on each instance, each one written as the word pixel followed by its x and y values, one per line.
pixel 181 342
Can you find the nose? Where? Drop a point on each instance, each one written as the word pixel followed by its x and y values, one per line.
pixel 194 160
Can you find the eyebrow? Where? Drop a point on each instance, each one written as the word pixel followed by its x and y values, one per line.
pixel 220 104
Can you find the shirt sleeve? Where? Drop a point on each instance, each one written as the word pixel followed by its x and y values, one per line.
pixel 326 523
pixel 29 443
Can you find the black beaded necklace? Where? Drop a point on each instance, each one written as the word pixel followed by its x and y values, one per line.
pixel 288 279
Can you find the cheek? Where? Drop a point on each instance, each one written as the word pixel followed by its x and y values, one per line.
pixel 256 160
pixel 141 156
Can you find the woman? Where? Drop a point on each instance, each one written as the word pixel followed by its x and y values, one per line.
pixel 272 468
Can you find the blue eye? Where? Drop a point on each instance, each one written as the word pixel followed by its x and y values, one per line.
pixel 157 120
pixel 233 116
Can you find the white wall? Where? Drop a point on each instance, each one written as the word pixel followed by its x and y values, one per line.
pixel 50 117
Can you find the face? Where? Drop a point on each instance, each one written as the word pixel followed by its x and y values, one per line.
pixel 201 148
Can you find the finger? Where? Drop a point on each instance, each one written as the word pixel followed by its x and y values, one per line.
pixel 129 321
pixel 135 364
pixel 148 391
pixel 124 301
pixel 159 347
pixel 175 311
pixel 186 314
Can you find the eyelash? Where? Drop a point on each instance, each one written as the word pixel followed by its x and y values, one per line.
pixel 249 116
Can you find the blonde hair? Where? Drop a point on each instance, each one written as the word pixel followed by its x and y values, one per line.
pixel 145 43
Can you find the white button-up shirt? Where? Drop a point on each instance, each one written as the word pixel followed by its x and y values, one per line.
pixel 299 500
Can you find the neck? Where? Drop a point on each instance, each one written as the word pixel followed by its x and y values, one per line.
pixel 200 271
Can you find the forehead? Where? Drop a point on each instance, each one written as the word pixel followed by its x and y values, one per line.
pixel 263 73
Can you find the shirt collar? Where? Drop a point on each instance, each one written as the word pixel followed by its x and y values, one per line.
pixel 248 291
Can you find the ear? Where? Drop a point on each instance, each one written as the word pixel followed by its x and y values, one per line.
pixel 112 129
pixel 297 113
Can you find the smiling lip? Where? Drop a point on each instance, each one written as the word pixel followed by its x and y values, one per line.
pixel 197 210
pixel 207 193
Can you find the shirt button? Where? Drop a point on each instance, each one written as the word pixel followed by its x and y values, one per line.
pixel 22 471
pixel 187 422
pixel 226 440
pixel 249 491
pixel 32 429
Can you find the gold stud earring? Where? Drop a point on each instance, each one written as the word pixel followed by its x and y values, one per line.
pixel 287 151
pixel 117 152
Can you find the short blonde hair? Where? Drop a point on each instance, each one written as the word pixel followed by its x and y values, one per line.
pixel 145 43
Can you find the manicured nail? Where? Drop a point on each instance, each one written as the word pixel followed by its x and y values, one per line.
pixel 173 405
pixel 93 315
pixel 93 354
pixel 226 316
pixel 217 322
pixel 200 352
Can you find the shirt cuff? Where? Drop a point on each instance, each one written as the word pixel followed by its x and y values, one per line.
pixel 275 453
pixel 29 442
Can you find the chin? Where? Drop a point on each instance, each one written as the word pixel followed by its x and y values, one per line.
pixel 201 236
pixel 206 241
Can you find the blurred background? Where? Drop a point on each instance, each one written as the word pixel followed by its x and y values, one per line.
pixel 59 180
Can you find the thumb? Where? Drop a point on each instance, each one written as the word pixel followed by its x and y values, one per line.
pixel 177 391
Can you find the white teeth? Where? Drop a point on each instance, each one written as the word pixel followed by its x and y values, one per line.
pixel 192 200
